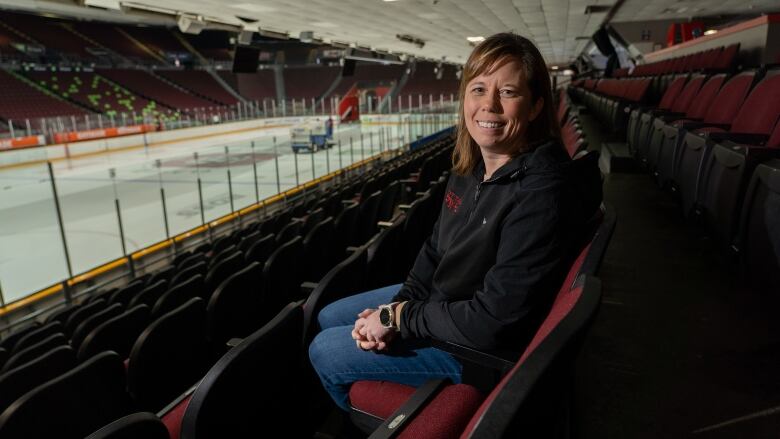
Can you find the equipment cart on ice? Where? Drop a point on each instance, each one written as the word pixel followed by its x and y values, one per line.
pixel 312 136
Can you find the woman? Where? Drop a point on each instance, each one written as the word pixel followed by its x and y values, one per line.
pixel 512 217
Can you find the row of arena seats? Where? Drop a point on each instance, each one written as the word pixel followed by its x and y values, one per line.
pixel 231 399
pixel 572 136
pixel 713 141
pixel 170 326
pixel 711 60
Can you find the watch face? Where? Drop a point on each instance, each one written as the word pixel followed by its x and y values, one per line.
pixel 384 317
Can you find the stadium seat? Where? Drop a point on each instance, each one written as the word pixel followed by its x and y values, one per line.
pixel 116 334
pixel 17 381
pixel 234 307
pixel 759 234
pixel 251 389
pixel 523 403
pixel 282 277
pixel 169 356
pixel 73 405
pixel 93 321
pixel 36 336
pixel 179 294
pixel 35 351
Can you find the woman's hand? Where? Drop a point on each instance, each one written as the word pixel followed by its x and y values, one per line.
pixel 369 333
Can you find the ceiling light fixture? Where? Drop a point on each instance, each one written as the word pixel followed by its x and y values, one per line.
pixel 710 32
pixel 475 39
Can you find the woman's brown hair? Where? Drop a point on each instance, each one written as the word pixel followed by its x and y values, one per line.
pixel 487 56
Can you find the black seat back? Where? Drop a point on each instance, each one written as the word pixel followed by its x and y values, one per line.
pixel 282 277
pixel 124 295
pixel 150 294
pixel 73 405
pixel 83 313
pixel 115 334
pixel 319 248
pixel 32 352
pixel 37 335
pixel 252 386
pixel 200 267
pixel 92 322
pixel 20 380
pixel 219 272
pixel 169 356
pixel 234 307
pixel 178 295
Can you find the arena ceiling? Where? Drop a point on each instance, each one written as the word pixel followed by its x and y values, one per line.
pixel 434 29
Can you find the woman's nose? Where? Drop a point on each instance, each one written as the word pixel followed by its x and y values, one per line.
pixel 491 102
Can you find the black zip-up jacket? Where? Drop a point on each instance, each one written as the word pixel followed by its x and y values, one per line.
pixel 500 250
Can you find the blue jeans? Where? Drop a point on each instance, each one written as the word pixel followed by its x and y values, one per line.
pixel 339 362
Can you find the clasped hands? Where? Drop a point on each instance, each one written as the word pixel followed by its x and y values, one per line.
pixel 369 334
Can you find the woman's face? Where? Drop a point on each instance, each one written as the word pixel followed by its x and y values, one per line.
pixel 498 108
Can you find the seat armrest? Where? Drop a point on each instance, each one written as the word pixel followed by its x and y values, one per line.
pixel 695 125
pixel 480 358
pixel 233 342
pixel 348 203
pixel 165 410
pixel 308 287
pixel 404 207
pixel 384 224
pixel 395 422
pixel 740 138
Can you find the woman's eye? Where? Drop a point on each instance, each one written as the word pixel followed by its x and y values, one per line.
pixel 508 93
pixel 477 90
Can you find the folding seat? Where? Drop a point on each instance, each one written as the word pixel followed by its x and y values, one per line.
pixel 217 256
pixel 641 118
pixel 72 405
pixel 164 274
pixel 125 294
pixel 169 356
pixel 661 118
pixel 150 293
pixel 189 261
pixel 135 426
pixel 261 249
pixel 529 399
pixel 282 277
pixel 17 381
pixel 756 116
pixel 667 148
pixel 367 218
pixel 416 231
pixel 248 240
pixel 221 244
pixel 725 59
pixel 187 272
pixel 3 356
pixel 32 352
pixel 288 232
pixel 319 250
pixel 220 271
pixel 253 386
pixel 104 294
pixel 759 235
pixel 116 334
pixel 346 223
pixel 62 314
pixel 541 374
pixel 344 279
pixel 724 179
pixel 388 200
pixel 179 294
pixel 8 342
pixel 36 336
pixel 234 308
pixel 384 256
pixel 93 321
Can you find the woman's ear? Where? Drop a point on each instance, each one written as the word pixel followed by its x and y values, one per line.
pixel 537 108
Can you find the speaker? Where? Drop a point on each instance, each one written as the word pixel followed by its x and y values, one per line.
pixel 349 67
pixel 189 25
pixel 246 59
pixel 245 37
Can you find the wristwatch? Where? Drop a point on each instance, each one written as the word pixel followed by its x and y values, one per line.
pixel 387 316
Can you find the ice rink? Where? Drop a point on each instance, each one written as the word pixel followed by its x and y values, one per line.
pixel 235 170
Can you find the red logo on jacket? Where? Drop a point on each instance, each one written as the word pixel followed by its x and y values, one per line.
pixel 453 201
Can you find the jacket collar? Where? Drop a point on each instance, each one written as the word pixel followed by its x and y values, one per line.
pixel 517 166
